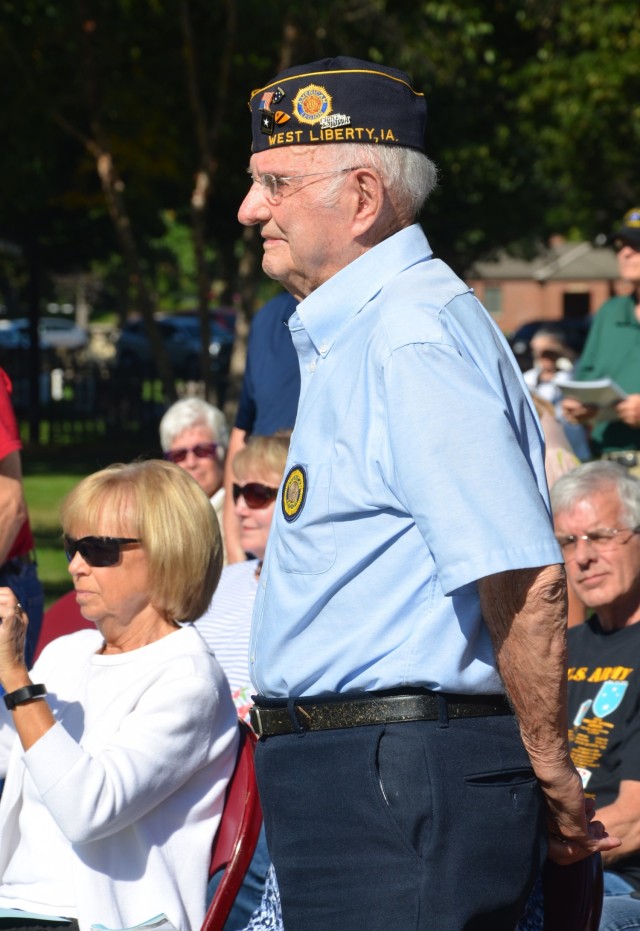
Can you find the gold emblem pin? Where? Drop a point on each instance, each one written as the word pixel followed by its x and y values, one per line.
pixel 294 492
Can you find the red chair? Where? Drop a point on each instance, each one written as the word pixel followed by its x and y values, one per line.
pixel 62 617
pixel 573 895
pixel 237 836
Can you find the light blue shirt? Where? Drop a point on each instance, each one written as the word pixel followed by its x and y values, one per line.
pixel 423 465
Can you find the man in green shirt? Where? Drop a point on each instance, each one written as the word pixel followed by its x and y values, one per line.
pixel 613 350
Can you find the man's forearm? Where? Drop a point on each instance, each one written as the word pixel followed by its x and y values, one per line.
pixel 526 613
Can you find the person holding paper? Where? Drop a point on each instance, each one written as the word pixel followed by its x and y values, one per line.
pixel 613 350
pixel 119 743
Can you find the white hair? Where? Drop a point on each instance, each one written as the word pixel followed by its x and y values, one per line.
pixel 594 477
pixel 409 176
pixel 193 412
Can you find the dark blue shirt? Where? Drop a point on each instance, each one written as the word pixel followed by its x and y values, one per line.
pixel 271 384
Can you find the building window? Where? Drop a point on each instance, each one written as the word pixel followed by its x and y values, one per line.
pixel 576 305
pixel 493 301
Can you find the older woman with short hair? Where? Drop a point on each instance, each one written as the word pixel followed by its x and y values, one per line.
pixel 195 435
pixel 122 739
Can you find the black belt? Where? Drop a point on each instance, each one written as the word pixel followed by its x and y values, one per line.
pixel 372 709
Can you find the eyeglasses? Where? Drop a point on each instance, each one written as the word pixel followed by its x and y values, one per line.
pixel 271 184
pixel 201 450
pixel 601 539
pixel 97 551
pixel 256 496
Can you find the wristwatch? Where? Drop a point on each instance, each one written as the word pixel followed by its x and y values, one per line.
pixel 22 695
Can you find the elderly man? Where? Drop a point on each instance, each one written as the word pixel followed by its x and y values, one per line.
pixel 597 518
pixel 411 567
pixel 613 350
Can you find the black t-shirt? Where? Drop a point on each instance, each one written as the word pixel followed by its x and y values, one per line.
pixel 604 714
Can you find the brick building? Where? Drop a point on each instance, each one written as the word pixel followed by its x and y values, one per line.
pixel 566 280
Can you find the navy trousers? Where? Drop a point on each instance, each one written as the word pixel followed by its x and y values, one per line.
pixel 421 826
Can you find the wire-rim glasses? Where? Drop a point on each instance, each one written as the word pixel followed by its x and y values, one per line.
pixel 602 538
pixel 272 184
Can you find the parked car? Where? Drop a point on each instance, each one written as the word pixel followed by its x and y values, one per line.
pixel 53 333
pixel 12 337
pixel 181 336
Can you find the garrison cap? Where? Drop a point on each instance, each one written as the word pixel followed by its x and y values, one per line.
pixel 629 231
pixel 338 100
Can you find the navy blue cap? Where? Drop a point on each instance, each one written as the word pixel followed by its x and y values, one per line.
pixel 629 231
pixel 338 100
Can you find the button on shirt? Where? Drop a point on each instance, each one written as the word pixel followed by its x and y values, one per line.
pixel 424 469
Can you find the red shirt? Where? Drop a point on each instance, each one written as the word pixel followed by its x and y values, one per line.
pixel 9 442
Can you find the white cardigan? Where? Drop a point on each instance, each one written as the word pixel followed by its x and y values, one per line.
pixel 133 773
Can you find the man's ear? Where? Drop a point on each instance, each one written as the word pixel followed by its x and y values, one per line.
pixel 370 200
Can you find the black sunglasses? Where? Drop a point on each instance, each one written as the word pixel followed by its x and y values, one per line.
pixel 97 551
pixel 255 495
pixel 201 450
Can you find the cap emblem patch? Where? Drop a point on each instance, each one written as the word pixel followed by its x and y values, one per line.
pixel 312 103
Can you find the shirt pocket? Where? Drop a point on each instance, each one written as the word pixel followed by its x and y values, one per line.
pixel 306 543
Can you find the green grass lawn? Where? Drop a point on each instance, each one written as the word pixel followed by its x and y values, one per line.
pixel 44 493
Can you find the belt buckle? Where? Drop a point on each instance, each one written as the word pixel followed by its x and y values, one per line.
pixel 256 720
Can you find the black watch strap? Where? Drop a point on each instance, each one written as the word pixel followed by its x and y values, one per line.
pixel 25 694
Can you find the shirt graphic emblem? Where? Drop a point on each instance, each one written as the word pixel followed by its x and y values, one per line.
pixel 609 698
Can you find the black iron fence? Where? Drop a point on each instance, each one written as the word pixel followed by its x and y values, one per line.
pixel 82 401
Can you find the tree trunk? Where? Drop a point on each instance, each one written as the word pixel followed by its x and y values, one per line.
pixel 208 141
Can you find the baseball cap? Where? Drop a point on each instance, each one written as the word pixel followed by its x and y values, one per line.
pixel 629 230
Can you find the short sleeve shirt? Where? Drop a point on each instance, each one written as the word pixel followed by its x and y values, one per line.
pixel 416 467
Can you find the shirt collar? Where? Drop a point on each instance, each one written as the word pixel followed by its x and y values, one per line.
pixel 328 309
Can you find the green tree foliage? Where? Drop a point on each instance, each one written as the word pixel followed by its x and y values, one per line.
pixel 533 115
